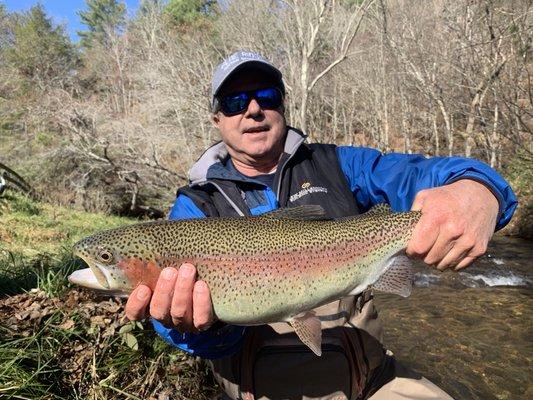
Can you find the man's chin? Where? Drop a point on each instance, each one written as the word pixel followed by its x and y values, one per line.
pixel 259 153
pixel 256 136
pixel 257 145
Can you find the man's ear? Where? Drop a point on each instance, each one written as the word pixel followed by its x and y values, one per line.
pixel 215 119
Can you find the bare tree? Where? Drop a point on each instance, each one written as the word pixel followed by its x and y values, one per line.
pixel 120 131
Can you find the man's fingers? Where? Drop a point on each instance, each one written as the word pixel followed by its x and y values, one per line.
pixel 453 257
pixel 424 236
pixel 162 297
pixel 475 252
pixel 181 310
pixel 465 251
pixel 465 262
pixel 202 306
pixel 178 300
pixel 449 245
pixel 442 246
pixel 137 303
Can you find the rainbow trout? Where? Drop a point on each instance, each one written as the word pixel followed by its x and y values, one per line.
pixel 270 268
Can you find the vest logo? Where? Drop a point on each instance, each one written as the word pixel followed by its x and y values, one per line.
pixel 307 189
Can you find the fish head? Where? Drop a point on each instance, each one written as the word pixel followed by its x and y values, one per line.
pixel 117 261
pixel 102 262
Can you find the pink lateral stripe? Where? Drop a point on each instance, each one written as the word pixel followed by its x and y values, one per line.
pixel 297 261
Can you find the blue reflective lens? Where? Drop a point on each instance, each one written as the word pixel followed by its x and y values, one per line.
pixel 236 103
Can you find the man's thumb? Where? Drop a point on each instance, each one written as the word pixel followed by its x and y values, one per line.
pixel 419 200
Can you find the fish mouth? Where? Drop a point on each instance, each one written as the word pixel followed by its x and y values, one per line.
pixel 86 278
pixel 94 277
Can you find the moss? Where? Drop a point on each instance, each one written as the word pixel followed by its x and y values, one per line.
pixel 519 173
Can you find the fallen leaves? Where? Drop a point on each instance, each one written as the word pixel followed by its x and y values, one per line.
pixel 90 322
pixel 92 349
pixel 23 313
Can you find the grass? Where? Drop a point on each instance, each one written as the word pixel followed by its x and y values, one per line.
pixel 57 342
pixel 32 228
pixel 36 241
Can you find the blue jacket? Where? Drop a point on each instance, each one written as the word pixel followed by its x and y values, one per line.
pixel 372 178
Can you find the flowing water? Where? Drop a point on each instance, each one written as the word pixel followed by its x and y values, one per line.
pixel 470 332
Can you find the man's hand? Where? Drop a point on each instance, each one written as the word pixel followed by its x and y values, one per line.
pixel 179 301
pixel 457 223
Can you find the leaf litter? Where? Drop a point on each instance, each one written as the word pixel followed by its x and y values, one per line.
pixel 81 345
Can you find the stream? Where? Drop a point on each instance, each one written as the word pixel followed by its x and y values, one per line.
pixel 469 332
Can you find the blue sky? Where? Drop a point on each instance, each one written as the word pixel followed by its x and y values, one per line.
pixel 63 11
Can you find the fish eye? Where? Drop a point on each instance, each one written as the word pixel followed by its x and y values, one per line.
pixel 105 256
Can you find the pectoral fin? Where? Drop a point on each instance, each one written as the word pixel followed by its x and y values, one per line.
pixel 308 328
pixel 398 278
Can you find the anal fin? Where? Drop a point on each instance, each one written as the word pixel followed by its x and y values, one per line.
pixel 309 330
pixel 398 278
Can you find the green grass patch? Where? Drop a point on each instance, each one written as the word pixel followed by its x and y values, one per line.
pixel 36 241
pixel 31 228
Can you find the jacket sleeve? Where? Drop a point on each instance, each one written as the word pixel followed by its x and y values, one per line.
pixel 396 178
pixel 220 340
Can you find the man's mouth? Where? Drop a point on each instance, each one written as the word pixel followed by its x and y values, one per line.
pixel 257 129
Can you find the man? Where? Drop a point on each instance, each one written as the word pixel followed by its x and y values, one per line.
pixel 260 165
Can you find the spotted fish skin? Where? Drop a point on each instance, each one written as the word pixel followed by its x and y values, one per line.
pixel 259 269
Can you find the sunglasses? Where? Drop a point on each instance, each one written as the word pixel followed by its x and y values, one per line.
pixel 236 103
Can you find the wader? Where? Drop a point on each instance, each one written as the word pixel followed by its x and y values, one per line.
pixel 273 363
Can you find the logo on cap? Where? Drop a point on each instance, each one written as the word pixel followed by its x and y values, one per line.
pixel 241 57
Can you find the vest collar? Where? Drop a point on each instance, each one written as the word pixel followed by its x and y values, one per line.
pixel 212 163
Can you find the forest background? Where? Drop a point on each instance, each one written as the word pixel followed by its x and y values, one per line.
pixel 113 123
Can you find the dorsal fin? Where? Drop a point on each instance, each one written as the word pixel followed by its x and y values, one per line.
pixel 381 208
pixel 307 212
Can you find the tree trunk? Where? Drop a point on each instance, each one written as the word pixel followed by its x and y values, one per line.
pixel 494 142
pixel 436 134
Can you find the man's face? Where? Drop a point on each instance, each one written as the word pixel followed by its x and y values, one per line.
pixel 256 135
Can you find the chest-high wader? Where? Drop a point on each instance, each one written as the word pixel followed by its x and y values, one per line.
pixel 273 363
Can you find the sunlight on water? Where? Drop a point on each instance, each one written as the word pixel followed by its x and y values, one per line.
pixel 495 280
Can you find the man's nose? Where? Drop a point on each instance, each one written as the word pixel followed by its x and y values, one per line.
pixel 253 108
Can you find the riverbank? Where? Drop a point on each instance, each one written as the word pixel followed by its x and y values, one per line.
pixel 522 223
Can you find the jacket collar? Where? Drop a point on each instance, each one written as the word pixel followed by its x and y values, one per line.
pixel 212 164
